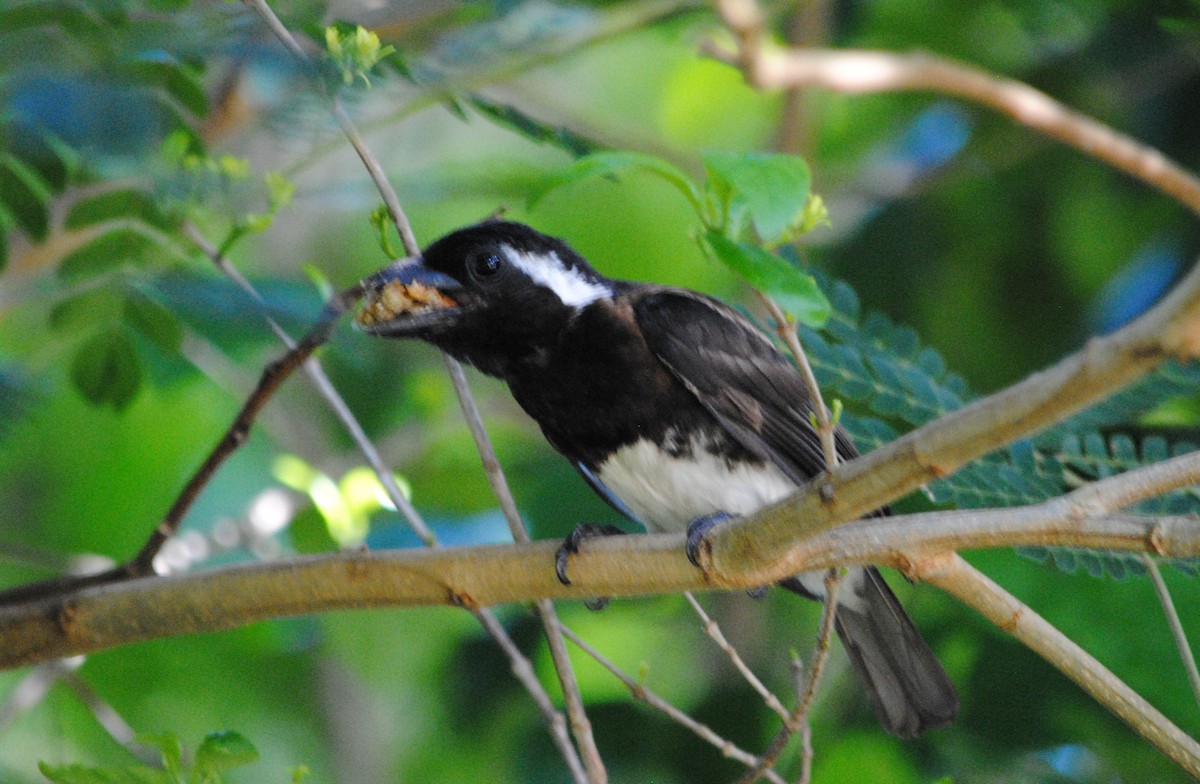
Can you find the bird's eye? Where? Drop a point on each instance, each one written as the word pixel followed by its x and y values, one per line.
pixel 486 266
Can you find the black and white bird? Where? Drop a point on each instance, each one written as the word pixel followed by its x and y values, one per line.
pixel 671 405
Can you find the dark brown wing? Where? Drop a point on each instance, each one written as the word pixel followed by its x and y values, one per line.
pixel 754 391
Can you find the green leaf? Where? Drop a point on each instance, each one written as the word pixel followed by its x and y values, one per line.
pixel 769 189
pixel 3 243
pixel 155 322
pixel 221 751
pixel 797 293
pixel 613 164
pixel 169 747
pixel 25 195
pixel 381 221
pixel 132 203
pixel 81 774
pixel 66 16
pixel 181 81
pixel 531 128
pixel 85 311
pixel 105 253
pixel 106 369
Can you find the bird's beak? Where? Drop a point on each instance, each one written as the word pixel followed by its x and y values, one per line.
pixel 406 298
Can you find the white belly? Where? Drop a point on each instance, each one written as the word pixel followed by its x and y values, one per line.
pixel 667 493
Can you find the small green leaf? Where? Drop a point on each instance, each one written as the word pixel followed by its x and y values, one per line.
pixel 221 751
pixel 797 293
pixel 381 220
pixel 155 322
pixel 65 16
pixel 105 253
pixel 181 81
pixel 25 195
pixel 86 310
pixel 279 190
pixel 354 51
pixel 168 745
pixel 613 164
pixel 531 128
pixel 114 205
pixel 106 369
pixel 769 189
pixel 81 774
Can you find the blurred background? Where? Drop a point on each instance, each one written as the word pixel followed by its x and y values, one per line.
pixel 124 355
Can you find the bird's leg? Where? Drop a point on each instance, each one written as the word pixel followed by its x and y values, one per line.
pixel 572 543
pixel 698 529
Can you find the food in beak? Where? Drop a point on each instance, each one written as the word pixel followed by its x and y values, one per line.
pixel 396 298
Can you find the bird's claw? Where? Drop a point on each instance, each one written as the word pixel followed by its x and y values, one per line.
pixel 573 542
pixel 698 529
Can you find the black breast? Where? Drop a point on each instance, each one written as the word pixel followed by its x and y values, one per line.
pixel 600 387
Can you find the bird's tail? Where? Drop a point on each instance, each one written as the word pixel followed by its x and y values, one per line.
pixel 908 689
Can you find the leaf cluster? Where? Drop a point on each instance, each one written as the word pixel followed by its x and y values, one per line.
pixel 217 754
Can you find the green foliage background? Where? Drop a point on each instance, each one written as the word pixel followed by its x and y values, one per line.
pixel 123 355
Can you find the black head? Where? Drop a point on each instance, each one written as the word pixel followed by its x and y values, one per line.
pixel 490 294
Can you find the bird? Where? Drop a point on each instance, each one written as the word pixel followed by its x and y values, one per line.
pixel 674 408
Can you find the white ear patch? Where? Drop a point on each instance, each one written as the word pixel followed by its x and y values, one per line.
pixel 570 285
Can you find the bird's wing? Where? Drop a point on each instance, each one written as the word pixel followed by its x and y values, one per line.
pixel 731 367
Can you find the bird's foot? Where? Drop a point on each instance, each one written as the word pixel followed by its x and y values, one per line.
pixel 698 529
pixel 573 542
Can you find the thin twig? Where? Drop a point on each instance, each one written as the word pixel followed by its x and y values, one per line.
pixel 1177 632
pixel 580 724
pixel 713 630
pixel 374 168
pixel 519 663
pixel 955 576
pixel 317 376
pixel 273 376
pixel 786 329
pixel 522 669
pixel 640 692
pixel 797 720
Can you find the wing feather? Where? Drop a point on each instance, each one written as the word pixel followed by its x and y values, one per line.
pixel 735 373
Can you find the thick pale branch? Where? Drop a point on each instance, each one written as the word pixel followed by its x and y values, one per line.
pixel 865 71
pixel 954 575
pixel 748 551
pixel 118 614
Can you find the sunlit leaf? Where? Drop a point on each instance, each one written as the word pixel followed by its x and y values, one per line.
pixel 116 204
pixel 797 293
pixel 615 164
pixel 221 751
pixel 81 774
pixel 105 253
pixel 769 190
pixel 86 310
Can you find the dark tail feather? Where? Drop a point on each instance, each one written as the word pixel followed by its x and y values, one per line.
pixel 908 689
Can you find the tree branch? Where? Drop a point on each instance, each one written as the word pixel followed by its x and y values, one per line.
pixel 863 71
pixel 748 551
pixel 107 616
pixel 955 576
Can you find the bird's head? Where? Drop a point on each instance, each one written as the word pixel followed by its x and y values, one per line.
pixel 490 294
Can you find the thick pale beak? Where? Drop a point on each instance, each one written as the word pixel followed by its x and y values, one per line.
pixel 407 298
